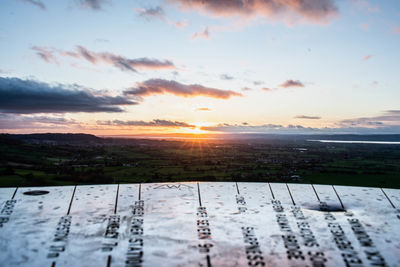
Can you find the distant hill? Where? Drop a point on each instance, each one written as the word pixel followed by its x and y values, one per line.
pixel 53 138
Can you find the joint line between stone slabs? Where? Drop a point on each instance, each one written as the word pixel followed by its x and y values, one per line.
pixel 391 203
pixel 237 188
pixel 15 191
pixel 290 194
pixel 198 193
pixel 315 191
pixel 116 201
pixel 208 261
pixel 109 261
pixel 340 200
pixel 72 199
pixel 140 191
pixel 272 193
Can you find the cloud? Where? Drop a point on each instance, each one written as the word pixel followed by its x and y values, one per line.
pixel 28 96
pixel 159 13
pixel 151 13
pixel 47 54
pixel 37 3
pixel 203 109
pixel 245 89
pixel 388 117
pixel 396 30
pixel 16 121
pixel 386 123
pixel 120 62
pixel 246 128
pixel 299 129
pixel 365 26
pixel 124 63
pixel 292 83
pixel 92 4
pixel 161 86
pixel 307 117
pixel 204 34
pixel 266 89
pixel 101 40
pixel 226 77
pixel 366 5
pixel 312 11
pixel 153 123
pixel 367 57
pixel 258 82
pixel 180 24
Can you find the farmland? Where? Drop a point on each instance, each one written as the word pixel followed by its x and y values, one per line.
pixel 102 161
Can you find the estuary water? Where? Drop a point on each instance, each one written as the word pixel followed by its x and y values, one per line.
pixel 356 142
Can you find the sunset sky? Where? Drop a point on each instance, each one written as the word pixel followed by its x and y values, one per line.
pixel 200 66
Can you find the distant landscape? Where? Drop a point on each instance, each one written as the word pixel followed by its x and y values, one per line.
pixel 69 159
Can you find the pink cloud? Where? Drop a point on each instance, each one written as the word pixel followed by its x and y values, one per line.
pixel 365 26
pixel 204 34
pixel 292 83
pixel 367 57
pixel 160 87
pixel 47 54
pixel 95 58
pixel 314 11
pixel 179 24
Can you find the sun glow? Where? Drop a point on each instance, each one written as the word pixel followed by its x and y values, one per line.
pixel 197 129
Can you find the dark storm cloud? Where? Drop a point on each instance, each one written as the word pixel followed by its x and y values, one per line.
pixel 28 96
pixel 37 3
pixel 153 123
pixel 120 62
pixel 315 11
pixel 292 83
pixel 307 117
pixel 160 86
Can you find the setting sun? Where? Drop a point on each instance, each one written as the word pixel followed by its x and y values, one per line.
pixel 198 128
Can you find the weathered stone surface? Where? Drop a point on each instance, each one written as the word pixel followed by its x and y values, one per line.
pixel 200 224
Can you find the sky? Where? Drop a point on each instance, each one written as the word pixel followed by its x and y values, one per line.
pixel 200 66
